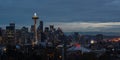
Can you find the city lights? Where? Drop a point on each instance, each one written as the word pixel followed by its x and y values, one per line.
pixel 51 43
pixel 92 41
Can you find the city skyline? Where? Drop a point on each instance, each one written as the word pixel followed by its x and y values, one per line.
pixel 77 15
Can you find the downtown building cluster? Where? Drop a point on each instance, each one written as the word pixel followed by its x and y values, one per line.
pixel 50 43
pixel 24 35
pixel 59 46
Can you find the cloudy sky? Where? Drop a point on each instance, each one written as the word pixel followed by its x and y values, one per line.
pixel 70 15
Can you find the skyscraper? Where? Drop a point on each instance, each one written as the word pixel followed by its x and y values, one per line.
pixel 32 29
pixel 51 28
pixel 0 35
pixel 0 31
pixel 18 36
pixel 41 26
pixel 32 33
pixel 46 29
pixel 40 31
pixel 10 34
pixel 12 25
pixel 24 35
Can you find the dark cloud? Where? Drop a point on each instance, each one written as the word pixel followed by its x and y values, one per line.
pixel 77 10
pixel 21 11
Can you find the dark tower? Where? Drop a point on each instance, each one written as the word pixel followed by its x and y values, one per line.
pixel 40 31
pixel 10 34
pixel 12 25
pixel 0 35
pixel 24 35
pixel 0 31
pixel 51 27
pixel 41 26
pixel 32 28
pixel 46 29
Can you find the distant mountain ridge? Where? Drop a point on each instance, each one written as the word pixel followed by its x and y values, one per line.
pixel 95 33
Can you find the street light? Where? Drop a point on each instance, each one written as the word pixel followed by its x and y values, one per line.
pixel 92 41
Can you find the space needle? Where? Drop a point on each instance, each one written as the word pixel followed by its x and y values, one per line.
pixel 35 17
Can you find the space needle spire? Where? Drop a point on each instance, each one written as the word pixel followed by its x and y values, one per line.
pixel 35 17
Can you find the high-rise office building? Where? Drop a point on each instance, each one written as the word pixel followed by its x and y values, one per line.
pixel 12 25
pixel 32 29
pixel 43 37
pixel 3 36
pixel 51 27
pixel 40 31
pixel 41 26
pixel 0 35
pixel 46 34
pixel 0 31
pixel 24 35
pixel 46 29
pixel 18 36
pixel 10 34
pixel 32 33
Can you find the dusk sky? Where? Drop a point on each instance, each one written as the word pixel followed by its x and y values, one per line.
pixel 70 15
